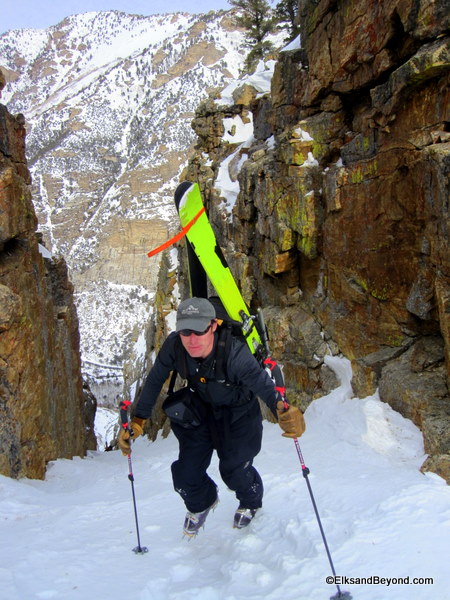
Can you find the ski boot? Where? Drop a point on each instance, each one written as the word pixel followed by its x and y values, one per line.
pixel 194 521
pixel 243 516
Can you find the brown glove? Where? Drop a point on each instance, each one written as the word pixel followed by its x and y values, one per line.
pixel 290 420
pixel 123 441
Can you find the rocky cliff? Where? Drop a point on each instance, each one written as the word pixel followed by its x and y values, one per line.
pixel 45 413
pixel 341 224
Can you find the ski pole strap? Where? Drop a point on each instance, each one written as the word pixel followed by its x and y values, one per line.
pixel 178 236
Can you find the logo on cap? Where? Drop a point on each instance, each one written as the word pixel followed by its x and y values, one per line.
pixel 190 310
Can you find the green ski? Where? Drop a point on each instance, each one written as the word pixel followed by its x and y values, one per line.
pixel 206 258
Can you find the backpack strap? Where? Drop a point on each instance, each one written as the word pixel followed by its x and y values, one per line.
pixel 222 352
pixel 182 363
pixel 172 381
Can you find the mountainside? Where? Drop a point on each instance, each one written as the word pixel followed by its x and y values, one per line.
pixel 108 100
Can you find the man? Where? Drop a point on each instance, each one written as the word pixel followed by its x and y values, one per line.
pixel 228 415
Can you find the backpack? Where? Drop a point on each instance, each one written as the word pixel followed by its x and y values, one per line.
pixel 228 328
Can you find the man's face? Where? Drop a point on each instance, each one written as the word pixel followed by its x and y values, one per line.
pixel 199 346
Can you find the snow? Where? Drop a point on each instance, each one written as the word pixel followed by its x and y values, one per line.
pixel 236 130
pixel 44 252
pixel 260 80
pixel 71 536
pixel 171 320
pixel 302 135
pixel 295 44
pixel 310 161
pixel 226 184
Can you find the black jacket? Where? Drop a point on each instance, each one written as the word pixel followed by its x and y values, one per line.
pixel 245 379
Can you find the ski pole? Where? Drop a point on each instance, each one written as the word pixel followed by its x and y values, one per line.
pixel 278 377
pixel 305 471
pixel 124 419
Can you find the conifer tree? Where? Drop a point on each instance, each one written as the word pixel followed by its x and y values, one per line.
pixel 287 12
pixel 257 18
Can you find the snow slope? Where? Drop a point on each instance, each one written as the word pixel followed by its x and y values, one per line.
pixel 71 537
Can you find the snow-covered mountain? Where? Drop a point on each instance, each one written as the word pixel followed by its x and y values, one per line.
pixel 108 100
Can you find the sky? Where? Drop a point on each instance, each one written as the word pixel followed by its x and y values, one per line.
pixel 40 14
pixel 387 525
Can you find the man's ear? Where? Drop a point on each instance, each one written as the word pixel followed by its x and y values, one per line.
pixel 214 325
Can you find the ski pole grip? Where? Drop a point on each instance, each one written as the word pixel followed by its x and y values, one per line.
pixel 124 405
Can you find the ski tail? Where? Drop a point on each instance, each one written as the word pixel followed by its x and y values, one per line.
pixel 180 192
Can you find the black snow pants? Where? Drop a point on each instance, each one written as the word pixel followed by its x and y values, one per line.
pixel 236 442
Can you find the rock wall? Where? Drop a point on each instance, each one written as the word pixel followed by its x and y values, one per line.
pixel 44 412
pixel 341 226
